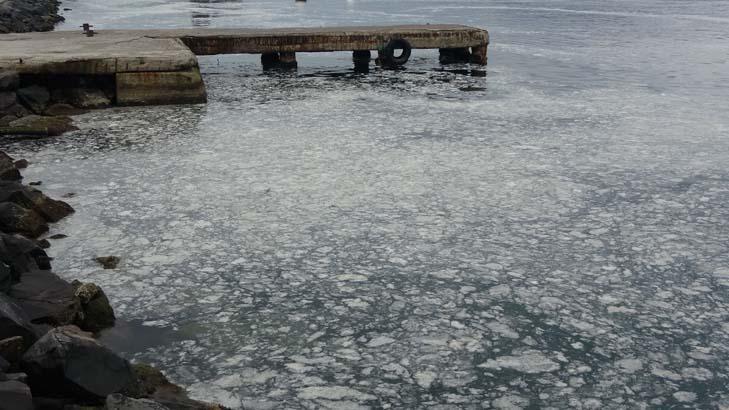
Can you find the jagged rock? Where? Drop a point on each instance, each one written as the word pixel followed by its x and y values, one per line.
pixel 21 164
pixel 12 348
pixel 53 126
pixel 58 236
pixel 6 277
pixel 16 219
pixel 18 377
pixel 6 119
pixel 150 383
pixel 30 198
pixel 34 97
pixel 15 111
pixel 14 322
pixel 8 171
pixel 22 255
pixel 108 262
pixel 121 402
pixel 9 80
pixel 63 110
pixel 98 313
pixel 47 299
pixel 28 15
pixel 7 99
pixel 15 395
pixel 69 363
pixel 43 244
pixel 87 98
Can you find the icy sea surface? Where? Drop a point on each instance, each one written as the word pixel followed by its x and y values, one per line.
pixel 549 231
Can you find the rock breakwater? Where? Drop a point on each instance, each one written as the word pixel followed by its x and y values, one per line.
pixel 49 356
pixel 21 16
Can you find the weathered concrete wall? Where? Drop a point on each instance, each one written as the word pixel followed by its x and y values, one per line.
pixel 159 88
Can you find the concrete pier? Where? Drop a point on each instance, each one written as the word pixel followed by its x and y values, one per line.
pixel 160 66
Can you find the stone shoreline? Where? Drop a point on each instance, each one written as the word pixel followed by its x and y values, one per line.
pixel 21 16
pixel 49 357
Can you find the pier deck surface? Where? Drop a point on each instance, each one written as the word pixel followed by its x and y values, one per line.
pixel 121 51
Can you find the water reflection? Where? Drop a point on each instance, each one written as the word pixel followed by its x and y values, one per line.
pixel 205 11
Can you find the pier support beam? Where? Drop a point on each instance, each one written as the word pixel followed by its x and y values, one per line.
pixel 279 61
pixel 478 54
pixel 269 60
pixel 287 60
pixel 454 55
pixel 362 60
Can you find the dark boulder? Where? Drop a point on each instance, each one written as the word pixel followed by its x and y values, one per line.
pixel 108 262
pixel 7 99
pixel 150 383
pixel 34 97
pixel 87 98
pixel 47 299
pixel 9 80
pixel 22 255
pixel 6 277
pixel 21 164
pixel 8 171
pixel 42 125
pixel 15 395
pixel 30 198
pixel 69 363
pixel 14 322
pixel 121 402
pixel 16 219
pixel 97 311
pixel 12 349
pixel 63 110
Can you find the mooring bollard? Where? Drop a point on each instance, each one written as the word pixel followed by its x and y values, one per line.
pixel 88 30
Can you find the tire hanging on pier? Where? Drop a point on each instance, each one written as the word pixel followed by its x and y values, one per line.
pixel 389 58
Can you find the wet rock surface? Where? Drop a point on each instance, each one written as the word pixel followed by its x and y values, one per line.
pixel 46 324
pixel 20 16
pixel 65 362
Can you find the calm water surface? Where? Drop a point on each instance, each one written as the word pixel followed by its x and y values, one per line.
pixel 551 231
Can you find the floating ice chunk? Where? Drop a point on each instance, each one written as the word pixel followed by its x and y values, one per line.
pixel 666 374
pixel 697 373
pixel 510 402
pixel 630 365
pixel 503 330
pixel 425 378
pixel 352 277
pixel 342 405
pixel 238 261
pixel 500 290
pixel 380 341
pixel 333 393
pixel 398 261
pixel 684 396
pixel 356 303
pixel 315 336
pixel 530 361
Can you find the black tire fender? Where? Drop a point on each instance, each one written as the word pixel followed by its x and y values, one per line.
pixel 389 52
